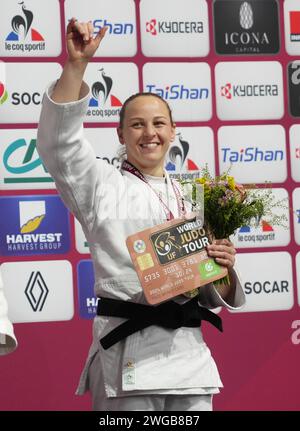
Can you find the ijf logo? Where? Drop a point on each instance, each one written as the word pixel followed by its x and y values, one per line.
pixel 22 30
pixel 101 97
pixel 34 226
pixel 22 165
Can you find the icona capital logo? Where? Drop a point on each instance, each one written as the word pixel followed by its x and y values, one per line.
pixel 21 26
pixel 246 16
pixel 3 93
pixel 246 27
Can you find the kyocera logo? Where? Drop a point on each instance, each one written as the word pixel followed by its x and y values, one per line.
pixel 154 27
pixel 251 154
pixel 249 90
pixel 178 91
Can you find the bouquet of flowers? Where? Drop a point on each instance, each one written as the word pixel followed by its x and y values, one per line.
pixel 229 206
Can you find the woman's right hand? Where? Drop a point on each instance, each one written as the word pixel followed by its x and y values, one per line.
pixel 81 45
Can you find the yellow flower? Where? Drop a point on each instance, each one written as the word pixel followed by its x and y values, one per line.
pixel 231 182
pixel 200 180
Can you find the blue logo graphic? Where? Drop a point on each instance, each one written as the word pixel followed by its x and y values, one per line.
pixel 85 282
pixel 178 91
pixel 251 154
pixel 33 225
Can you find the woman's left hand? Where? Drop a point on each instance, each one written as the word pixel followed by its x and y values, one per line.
pixel 223 251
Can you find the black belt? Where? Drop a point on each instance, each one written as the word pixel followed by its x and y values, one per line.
pixel 168 315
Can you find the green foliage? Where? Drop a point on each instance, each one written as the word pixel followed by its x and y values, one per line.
pixel 229 206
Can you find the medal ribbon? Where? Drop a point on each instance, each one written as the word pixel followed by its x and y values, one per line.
pixel 129 167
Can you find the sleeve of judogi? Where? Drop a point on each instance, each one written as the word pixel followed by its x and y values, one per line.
pixel 8 341
pixel 81 179
pixel 209 296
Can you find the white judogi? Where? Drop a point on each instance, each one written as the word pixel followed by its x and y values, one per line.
pixel 110 206
pixel 8 342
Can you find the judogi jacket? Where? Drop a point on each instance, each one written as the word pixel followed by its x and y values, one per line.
pixel 8 342
pixel 111 205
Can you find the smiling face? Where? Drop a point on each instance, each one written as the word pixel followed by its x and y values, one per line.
pixel 147 131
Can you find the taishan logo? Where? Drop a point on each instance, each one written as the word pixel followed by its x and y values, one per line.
pixel 101 97
pixel 251 154
pixel 155 27
pixel 21 31
pixel 3 94
pixel 257 90
pixel 178 159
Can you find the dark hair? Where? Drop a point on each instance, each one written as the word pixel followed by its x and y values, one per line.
pixel 135 96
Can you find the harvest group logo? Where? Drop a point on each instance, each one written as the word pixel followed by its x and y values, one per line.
pixel 3 94
pixel 86 279
pixel 31 215
pixel 22 31
pixel 34 226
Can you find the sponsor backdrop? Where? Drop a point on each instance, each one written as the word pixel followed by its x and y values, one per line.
pixel 230 72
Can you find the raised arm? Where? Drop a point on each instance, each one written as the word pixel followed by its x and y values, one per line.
pixel 81 47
